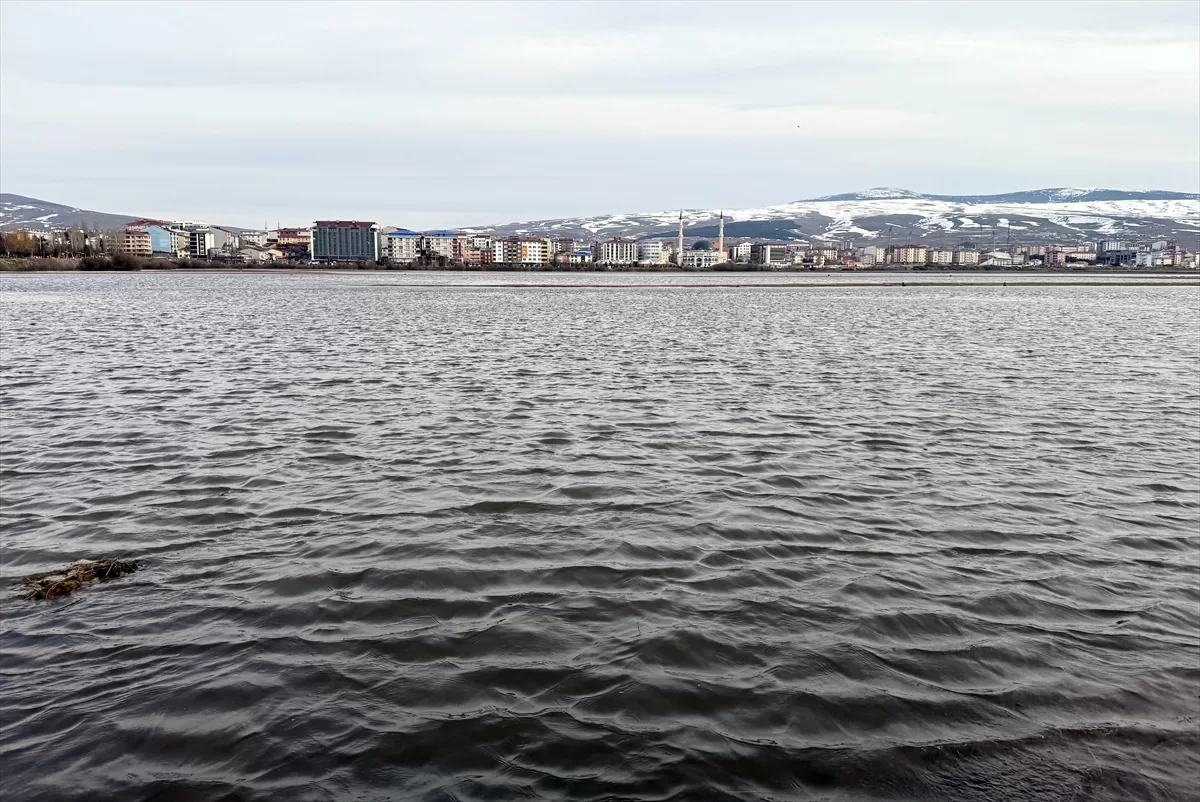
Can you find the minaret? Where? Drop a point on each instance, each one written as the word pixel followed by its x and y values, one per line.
pixel 721 235
pixel 679 247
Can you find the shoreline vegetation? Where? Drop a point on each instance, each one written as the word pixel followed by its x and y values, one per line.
pixel 123 263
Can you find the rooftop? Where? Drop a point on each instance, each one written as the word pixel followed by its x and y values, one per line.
pixel 343 224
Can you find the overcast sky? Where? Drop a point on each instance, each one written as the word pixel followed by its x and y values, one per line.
pixel 449 114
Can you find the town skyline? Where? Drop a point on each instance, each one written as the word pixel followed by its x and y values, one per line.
pixel 366 245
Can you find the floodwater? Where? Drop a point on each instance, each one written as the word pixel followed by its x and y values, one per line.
pixel 464 541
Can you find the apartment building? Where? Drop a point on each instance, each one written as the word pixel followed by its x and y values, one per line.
pixel 200 242
pixel 908 254
pixel 769 255
pixel 293 236
pixel 478 256
pixel 520 250
pixel 136 242
pixel 402 246
pixel 253 237
pixel 873 256
pixel 616 251
pixel 650 252
pixel 941 257
pixel 441 243
pixel 345 241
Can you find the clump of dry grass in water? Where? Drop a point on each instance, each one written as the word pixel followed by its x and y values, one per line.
pixel 55 584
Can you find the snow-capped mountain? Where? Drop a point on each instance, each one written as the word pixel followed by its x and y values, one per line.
pixel 1050 195
pixel 18 211
pixel 1059 214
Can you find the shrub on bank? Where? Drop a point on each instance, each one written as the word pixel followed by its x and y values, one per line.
pixel 96 263
pixel 37 264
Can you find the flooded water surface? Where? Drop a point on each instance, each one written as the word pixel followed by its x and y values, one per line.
pixel 460 541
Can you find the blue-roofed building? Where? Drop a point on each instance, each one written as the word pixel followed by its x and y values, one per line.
pixel 448 244
pixel 402 246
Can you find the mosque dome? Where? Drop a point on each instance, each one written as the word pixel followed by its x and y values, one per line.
pixel 702 245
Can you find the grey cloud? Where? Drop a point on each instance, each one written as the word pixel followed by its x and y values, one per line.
pixel 261 114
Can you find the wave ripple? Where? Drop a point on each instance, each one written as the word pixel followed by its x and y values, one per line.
pixel 937 543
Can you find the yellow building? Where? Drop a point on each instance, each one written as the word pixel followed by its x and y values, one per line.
pixel 293 236
pixel 908 254
pixel 136 242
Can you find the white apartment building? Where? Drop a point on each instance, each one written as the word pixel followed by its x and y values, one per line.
pixel 402 246
pixel 615 251
pixel 439 243
pixel 740 252
pixel 966 257
pixel 650 252
pixel 939 256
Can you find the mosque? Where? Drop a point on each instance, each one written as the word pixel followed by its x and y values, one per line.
pixel 702 256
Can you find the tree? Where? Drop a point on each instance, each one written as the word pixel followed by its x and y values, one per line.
pixel 20 243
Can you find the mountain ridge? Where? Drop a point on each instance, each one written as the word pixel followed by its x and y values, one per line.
pixel 1047 195
pixel 890 214
pixel 22 211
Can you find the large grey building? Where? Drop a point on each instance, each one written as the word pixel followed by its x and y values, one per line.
pixel 345 241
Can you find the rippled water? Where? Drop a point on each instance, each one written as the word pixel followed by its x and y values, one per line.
pixel 469 542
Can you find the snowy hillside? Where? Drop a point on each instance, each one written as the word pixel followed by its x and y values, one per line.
pixel 18 211
pixel 1060 215
pixel 1050 195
